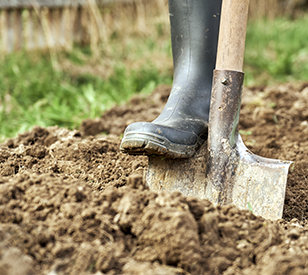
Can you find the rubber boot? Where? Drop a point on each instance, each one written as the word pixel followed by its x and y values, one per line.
pixel 182 126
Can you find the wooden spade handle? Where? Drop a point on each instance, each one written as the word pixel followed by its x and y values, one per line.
pixel 232 34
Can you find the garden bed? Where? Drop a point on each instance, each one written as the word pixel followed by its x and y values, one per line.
pixel 71 203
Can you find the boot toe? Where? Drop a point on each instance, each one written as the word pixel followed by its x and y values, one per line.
pixel 154 139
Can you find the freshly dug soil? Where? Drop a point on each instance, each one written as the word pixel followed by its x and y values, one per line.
pixel 71 203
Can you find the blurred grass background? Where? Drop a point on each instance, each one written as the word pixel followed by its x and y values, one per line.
pixel 65 87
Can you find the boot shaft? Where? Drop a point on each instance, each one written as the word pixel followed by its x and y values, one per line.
pixel 194 35
pixel 182 126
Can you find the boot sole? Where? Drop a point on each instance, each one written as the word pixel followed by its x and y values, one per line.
pixel 151 144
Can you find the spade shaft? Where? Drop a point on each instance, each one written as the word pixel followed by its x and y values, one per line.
pixel 232 34
pixel 226 101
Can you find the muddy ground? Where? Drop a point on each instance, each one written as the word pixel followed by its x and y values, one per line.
pixel 71 203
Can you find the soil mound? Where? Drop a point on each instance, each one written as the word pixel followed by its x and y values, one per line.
pixel 71 203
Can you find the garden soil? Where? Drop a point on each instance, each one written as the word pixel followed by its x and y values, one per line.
pixel 71 203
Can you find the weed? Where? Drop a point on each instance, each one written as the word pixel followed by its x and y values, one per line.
pixel 249 207
pixel 91 268
pixel 275 119
pixel 250 142
pixel 245 133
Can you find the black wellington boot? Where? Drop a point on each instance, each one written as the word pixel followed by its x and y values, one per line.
pixel 182 126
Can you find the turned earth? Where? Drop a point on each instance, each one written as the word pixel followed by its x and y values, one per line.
pixel 71 203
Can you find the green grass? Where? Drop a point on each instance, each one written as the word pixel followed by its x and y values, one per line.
pixel 33 92
pixel 276 51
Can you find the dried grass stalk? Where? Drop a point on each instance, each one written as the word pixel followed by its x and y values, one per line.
pixel 92 24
